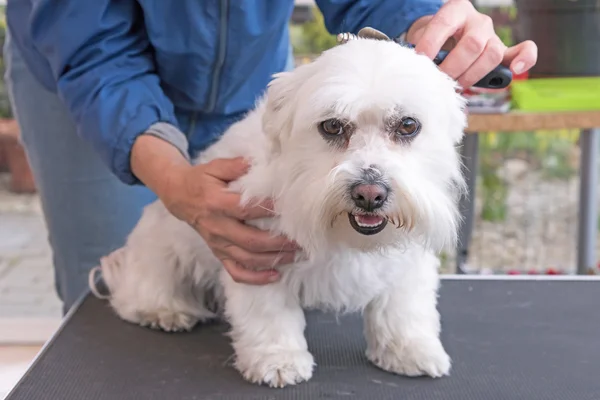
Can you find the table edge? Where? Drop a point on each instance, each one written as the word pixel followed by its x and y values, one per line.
pixel 63 323
pixel 525 277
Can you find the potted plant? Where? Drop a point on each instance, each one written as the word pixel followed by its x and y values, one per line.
pixel 12 155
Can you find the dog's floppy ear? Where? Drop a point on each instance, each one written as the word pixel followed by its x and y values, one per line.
pixel 281 101
pixel 277 118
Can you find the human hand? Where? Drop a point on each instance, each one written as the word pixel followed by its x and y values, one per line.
pixel 475 49
pixel 198 195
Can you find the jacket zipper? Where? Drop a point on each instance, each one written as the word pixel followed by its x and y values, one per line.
pixel 220 56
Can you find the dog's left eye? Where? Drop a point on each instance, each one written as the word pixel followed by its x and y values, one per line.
pixel 332 127
pixel 408 127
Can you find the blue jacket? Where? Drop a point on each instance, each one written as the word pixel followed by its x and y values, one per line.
pixel 122 65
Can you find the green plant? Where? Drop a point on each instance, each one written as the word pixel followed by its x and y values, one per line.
pixel 549 152
pixel 505 34
pixel 504 20
pixel 5 107
pixel 494 191
pixel 312 37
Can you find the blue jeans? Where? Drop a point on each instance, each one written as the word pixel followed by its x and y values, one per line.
pixel 88 211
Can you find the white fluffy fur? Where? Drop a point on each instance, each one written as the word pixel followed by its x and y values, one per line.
pixel 164 274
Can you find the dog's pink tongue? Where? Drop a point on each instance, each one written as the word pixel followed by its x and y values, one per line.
pixel 368 219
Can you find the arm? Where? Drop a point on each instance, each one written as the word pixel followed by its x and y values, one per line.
pixel 102 64
pixel 390 17
pixel 431 25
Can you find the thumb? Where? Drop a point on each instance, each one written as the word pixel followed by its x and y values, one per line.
pixel 227 169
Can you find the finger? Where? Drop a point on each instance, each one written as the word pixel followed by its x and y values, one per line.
pixel 241 275
pixel 489 59
pixel 444 24
pixel 226 169
pixel 521 57
pixel 469 48
pixel 229 203
pixel 252 239
pixel 258 261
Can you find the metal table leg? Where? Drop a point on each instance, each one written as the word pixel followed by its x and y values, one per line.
pixel 470 155
pixel 588 202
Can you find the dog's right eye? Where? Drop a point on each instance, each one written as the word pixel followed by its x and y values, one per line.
pixel 332 127
pixel 408 127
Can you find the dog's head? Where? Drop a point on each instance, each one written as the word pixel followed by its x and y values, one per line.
pixel 364 147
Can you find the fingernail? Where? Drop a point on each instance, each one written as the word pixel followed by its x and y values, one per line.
pixel 519 67
pixel 273 276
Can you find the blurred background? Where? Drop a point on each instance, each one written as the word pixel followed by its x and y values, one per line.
pixel 527 192
pixel 526 196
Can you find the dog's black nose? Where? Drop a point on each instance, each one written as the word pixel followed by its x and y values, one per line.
pixel 369 197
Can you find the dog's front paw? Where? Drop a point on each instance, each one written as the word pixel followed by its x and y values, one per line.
pixel 412 358
pixel 277 369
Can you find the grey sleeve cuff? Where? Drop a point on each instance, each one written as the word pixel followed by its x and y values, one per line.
pixel 171 134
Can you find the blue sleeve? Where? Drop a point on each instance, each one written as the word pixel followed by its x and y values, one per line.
pixel 392 17
pixel 102 63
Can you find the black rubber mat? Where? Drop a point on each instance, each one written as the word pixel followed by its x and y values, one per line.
pixel 508 340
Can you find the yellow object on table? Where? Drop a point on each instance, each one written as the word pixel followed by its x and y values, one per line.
pixel 556 94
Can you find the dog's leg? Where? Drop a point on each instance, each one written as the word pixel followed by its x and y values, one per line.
pixel 156 279
pixel 146 288
pixel 267 333
pixel 402 325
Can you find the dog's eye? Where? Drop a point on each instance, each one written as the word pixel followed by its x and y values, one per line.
pixel 408 127
pixel 332 127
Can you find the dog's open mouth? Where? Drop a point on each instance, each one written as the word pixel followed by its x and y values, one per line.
pixel 367 224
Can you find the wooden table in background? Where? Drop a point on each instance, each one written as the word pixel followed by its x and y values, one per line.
pixel 588 122
pixel 521 121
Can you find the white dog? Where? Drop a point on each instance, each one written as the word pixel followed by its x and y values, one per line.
pixel 358 151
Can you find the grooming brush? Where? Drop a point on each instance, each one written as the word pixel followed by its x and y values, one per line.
pixel 499 78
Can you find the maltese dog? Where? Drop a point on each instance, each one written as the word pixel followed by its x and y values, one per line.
pixel 358 150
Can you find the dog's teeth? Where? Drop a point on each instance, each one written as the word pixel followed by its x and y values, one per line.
pixel 366 225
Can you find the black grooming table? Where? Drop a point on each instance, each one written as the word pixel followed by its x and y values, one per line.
pixel 509 338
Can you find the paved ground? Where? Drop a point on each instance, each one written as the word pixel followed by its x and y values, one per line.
pixel 29 308
pixel 26 278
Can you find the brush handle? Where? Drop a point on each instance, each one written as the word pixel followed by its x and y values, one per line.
pixel 499 78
